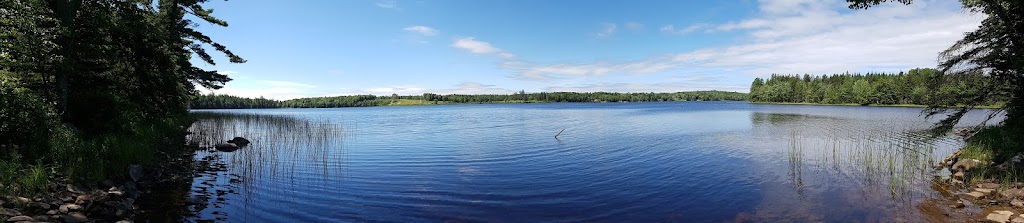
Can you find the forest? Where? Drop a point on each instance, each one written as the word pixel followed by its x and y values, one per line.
pixel 214 101
pixel 919 86
pixel 89 87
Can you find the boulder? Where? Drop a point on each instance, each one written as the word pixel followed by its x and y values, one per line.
pixel 239 141
pixel 226 147
pixel 1014 163
pixel 1017 203
pixel 1017 220
pixel 966 164
pixel 958 204
pixel 135 172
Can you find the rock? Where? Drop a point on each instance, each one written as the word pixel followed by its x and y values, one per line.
pixel 958 204
pixel 51 212
pixel 135 172
pixel 989 186
pixel 1015 163
pixel 1013 193
pixel 74 217
pixel 69 208
pixel 226 147
pixel 966 164
pixel 999 216
pixel 124 221
pixel 959 175
pixel 1017 203
pixel 20 218
pixel 975 195
pixel 985 191
pixel 73 189
pixel 9 212
pixel 81 199
pixel 41 205
pixel 1017 220
pixel 22 200
pixel 239 141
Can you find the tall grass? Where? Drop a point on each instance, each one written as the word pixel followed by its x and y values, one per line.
pixel 280 145
pixel 888 161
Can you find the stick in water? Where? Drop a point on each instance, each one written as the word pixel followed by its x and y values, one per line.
pixel 559 133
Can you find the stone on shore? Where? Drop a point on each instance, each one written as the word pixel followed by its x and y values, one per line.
pixel 9 212
pixel 958 204
pixel 966 164
pixel 1017 220
pixel 985 191
pixel 20 218
pixel 999 216
pixel 1013 193
pixel 975 195
pixel 74 217
pixel 989 186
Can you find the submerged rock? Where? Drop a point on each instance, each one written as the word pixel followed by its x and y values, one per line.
pixel 975 195
pixel 226 147
pixel 239 141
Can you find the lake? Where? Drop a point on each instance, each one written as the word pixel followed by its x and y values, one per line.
pixel 614 162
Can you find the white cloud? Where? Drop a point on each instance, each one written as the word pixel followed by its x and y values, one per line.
pixel 607 30
pixel 640 87
pixel 635 26
pixel 474 88
pixel 480 47
pixel 388 4
pixel 799 36
pixel 671 29
pixel 400 90
pixel 421 30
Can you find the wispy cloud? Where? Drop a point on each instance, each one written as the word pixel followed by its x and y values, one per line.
pixel 421 30
pixel 480 47
pixel 635 26
pixel 281 90
pixel 607 30
pixel 671 29
pixel 388 4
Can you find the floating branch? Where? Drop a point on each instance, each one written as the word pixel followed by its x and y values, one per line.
pixel 559 133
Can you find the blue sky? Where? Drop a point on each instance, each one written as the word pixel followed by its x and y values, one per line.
pixel 325 48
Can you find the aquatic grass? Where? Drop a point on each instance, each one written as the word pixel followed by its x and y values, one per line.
pixel 279 144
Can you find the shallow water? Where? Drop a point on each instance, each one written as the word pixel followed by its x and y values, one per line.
pixel 614 162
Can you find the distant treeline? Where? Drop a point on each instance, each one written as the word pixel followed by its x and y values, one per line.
pixel 920 86
pixel 214 101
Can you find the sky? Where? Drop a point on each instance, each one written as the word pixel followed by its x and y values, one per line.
pixel 314 48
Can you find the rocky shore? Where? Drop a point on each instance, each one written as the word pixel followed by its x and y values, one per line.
pixel 113 200
pixel 998 201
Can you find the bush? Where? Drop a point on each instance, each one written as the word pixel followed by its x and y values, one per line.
pixel 25 121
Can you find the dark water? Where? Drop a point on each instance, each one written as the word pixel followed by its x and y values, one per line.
pixel 615 162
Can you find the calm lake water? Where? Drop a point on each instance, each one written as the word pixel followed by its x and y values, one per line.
pixel 614 162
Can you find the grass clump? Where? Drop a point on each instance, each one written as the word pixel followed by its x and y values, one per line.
pixel 994 146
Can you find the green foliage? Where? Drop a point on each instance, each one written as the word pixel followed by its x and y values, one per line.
pixel 995 50
pixel 213 101
pixel 25 120
pixel 921 86
pixel 91 86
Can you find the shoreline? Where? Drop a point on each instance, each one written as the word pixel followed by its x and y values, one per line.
pixel 869 105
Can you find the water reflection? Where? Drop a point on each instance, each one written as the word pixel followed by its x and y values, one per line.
pixel 845 166
pixel 282 149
